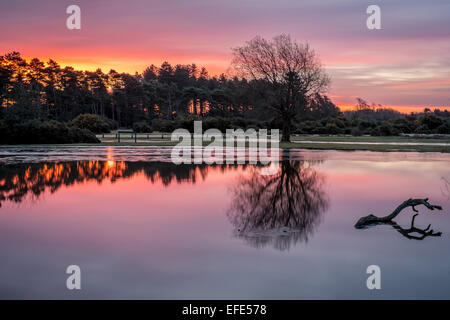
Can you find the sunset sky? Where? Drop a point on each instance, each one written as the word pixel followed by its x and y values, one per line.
pixel 405 64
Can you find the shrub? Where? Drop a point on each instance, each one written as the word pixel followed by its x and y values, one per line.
pixel 43 132
pixel 364 125
pixel 385 129
pixel 332 128
pixel 188 124
pixel 403 125
pixel 92 122
pixel 423 129
pixel 444 128
pixel 142 127
pixel 220 123
pixel 338 122
pixel 356 131
pixel 308 127
pixel 431 121
pixel 319 130
pixel 164 125
pixel 113 124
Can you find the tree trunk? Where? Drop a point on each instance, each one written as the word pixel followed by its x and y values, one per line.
pixel 286 130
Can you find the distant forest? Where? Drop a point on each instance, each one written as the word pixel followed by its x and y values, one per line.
pixel 165 97
pixel 48 91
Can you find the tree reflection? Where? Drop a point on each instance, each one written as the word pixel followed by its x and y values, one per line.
pixel 21 180
pixel 281 209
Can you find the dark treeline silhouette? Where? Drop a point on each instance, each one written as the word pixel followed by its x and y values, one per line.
pixel 161 98
pixel 372 112
pixel 46 90
pixel 281 84
pixel 376 120
pixel 17 181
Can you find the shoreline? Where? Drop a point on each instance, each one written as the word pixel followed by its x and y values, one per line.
pixel 283 145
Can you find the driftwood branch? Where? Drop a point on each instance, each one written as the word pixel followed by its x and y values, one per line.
pixel 372 220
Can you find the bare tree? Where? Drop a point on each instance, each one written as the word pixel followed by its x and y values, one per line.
pixel 290 71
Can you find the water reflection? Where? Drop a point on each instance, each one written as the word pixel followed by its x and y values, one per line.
pixel 278 210
pixel 170 237
pixel 21 180
pixel 409 232
pixel 412 232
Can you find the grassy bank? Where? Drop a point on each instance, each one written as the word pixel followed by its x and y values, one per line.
pixel 365 147
pixel 320 145
pixel 380 139
pixel 166 137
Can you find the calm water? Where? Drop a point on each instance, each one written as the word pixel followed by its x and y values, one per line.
pixel 141 227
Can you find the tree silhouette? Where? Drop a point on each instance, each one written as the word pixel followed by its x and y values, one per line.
pixel 280 209
pixel 288 74
pixel 30 90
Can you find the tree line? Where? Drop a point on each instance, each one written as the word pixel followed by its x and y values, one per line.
pixel 278 83
pixel 34 89
pixel 46 91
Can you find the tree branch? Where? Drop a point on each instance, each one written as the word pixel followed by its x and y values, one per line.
pixel 371 219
